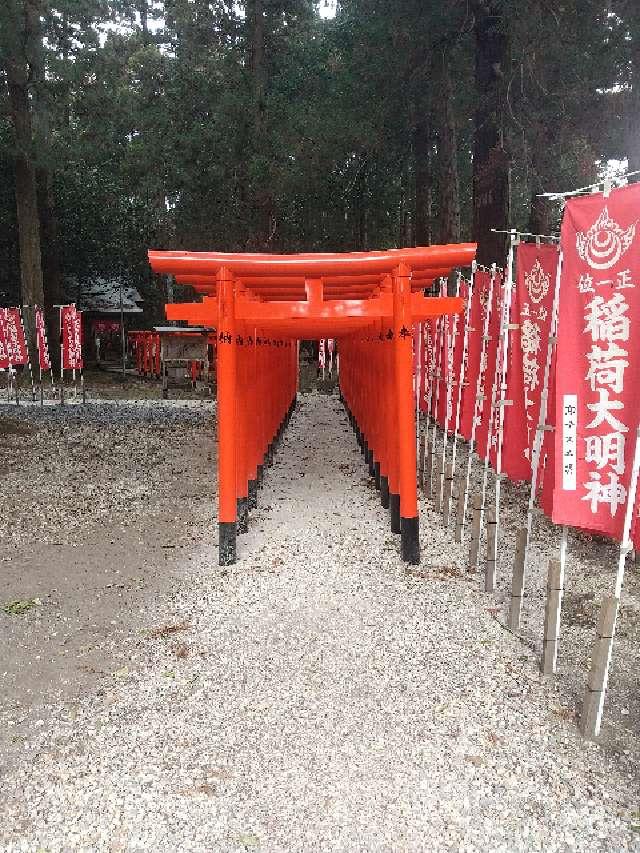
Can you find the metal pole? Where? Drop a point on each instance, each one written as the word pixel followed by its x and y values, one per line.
pixel 122 340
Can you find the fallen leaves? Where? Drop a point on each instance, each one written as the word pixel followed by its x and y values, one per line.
pixel 168 630
pixel 434 572
pixel 207 790
pixel 182 651
pixel 20 606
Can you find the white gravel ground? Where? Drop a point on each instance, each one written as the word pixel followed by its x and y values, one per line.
pixel 330 701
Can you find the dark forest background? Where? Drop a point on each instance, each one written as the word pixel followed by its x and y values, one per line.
pixel 273 125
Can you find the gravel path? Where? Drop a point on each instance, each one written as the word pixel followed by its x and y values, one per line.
pixel 318 696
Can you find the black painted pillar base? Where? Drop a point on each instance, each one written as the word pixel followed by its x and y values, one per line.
pixel 376 474
pixel 253 494
pixel 260 474
pixel 372 466
pixel 226 543
pixel 243 515
pixel 384 491
pixel 410 542
pixel 394 509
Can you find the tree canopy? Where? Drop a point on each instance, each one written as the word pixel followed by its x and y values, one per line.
pixel 273 125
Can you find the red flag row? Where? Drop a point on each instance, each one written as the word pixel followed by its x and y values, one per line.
pixel 578 392
pixel 13 346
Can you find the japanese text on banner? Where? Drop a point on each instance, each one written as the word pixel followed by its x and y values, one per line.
pixel 598 360
pixel 71 323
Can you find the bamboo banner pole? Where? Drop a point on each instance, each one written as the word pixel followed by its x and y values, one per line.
pixel 427 420
pixel 492 413
pixel 596 689
pixel 479 397
pixel 61 362
pixel 451 346
pixel 503 361
pixel 10 370
pixel 463 369
pixel 436 398
pixel 521 555
pixel 82 388
pixel 26 331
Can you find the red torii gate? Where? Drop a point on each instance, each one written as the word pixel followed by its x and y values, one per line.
pixel 260 304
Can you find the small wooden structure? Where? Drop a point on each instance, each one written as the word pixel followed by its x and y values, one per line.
pixel 184 354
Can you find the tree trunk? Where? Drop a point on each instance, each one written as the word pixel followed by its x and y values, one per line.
pixel 424 180
pixel 51 271
pixel 26 194
pixel 491 180
pixel 262 200
pixel 143 11
pixel 448 161
pixel 448 168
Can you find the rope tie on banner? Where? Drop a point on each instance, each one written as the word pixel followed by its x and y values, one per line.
pixel 519 234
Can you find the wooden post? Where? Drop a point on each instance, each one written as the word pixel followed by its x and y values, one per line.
pixel 440 483
pixel 553 607
pixel 428 464
pixel 593 703
pixel 448 489
pixel 601 656
pixel 492 552
pixel 474 545
pixel 421 459
pixel 517 581
pixel 460 508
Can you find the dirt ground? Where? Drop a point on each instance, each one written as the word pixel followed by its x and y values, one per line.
pixel 96 518
pixel 106 508
pixel 318 695
pixel 97 512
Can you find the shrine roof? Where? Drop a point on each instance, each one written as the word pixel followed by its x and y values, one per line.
pixel 276 277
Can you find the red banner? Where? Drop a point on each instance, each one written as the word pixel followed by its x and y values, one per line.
pixel 479 301
pixel 531 313
pixel 41 338
pixel 444 368
pixel 13 346
pixel 486 418
pixel 71 327
pixel 428 328
pixel 4 349
pixel 105 327
pixel 547 464
pixel 598 376
pixel 458 352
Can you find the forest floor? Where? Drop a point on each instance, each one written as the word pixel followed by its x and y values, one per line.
pixel 318 695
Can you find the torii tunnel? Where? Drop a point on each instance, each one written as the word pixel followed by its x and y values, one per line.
pixel 260 306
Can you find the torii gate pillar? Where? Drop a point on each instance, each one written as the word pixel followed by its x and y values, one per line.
pixel 405 410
